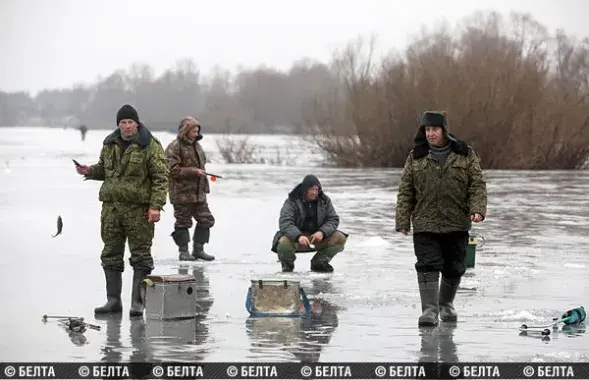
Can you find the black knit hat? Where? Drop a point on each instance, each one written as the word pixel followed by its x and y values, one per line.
pixel 127 112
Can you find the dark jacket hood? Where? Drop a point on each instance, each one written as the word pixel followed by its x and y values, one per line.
pixel 309 181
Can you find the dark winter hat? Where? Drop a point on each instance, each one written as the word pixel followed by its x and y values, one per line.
pixel 432 119
pixel 127 112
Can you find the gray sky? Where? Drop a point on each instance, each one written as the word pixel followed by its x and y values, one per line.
pixel 56 43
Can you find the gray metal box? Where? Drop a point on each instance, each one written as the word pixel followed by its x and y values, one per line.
pixel 170 296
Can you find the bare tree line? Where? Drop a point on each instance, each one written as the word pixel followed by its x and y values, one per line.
pixel 260 100
pixel 515 92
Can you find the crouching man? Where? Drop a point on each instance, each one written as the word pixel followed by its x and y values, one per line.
pixel 308 222
pixel 442 191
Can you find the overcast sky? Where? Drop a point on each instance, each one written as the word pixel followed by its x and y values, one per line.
pixel 55 43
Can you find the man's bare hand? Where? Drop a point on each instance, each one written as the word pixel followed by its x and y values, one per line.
pixel 317 237
pixel 476 218
pixel 403 231
pixel 153 216
pixel 83 169
pixel 304 241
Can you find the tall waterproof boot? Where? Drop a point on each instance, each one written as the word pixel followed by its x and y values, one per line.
pixel 429 287
pixel 320 262
pixel 137 306
pixel 448 288
pixel 199 239
pixel 114 286
pixel 181 237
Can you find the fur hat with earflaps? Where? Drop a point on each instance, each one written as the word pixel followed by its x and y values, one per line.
pixel 432 119
pixel 435 119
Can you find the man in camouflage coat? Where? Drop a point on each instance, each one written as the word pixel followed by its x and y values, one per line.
pixel 442 191
pixel 132 166
pixel 308 218
pixel 189 186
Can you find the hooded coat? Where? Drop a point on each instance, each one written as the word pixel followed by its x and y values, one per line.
pixel 292 214
pixel 183 156
pixel 440 199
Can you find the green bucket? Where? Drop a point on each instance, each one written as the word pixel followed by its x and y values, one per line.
pixel 471 250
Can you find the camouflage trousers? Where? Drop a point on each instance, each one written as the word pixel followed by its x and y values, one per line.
pixel 445 253
pixel 121 223
pixel 326 248
pixel 184 213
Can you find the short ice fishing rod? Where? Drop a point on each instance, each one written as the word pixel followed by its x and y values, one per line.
pixel 571 317
pixel 75 324
pixel 213 176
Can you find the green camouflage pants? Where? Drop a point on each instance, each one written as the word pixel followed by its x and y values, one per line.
pixel 326 249
pixel 120 223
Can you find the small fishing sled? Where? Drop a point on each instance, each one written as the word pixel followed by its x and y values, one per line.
pixel 571 317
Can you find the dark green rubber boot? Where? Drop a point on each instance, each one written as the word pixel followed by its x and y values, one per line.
pixel 429 288
pixel 448 288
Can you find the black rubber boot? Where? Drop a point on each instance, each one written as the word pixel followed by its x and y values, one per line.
pixel 320 262
pixel 114 286
pixel 136 301
pixel 448 288
pixel 321 267
pixel 429 287
pixel 181 237
pixel 199 239
pixel 287 266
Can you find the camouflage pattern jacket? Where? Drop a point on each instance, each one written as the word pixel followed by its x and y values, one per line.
pixel 292 217
pixel 185 185
pixel 137 176
pixel 440 200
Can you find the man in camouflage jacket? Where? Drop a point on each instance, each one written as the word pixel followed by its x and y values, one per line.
pixel 441 192
pixel 134 175
pixel 189 186
pixel 308 222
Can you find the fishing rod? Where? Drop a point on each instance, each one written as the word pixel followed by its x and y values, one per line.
pixel 213 176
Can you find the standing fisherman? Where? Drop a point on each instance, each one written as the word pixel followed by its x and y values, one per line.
pixel 132 166
pixel 442 191
pixel 189 186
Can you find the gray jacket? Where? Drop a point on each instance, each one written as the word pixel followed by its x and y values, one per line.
pixel 292 217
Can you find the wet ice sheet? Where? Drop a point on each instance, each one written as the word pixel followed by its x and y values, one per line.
pixel 532 267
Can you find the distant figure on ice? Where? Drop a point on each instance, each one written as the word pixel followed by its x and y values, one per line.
pixel 442 191
pixel 189 186
pixel 82 128
pixel 308 222
pixel 134 174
